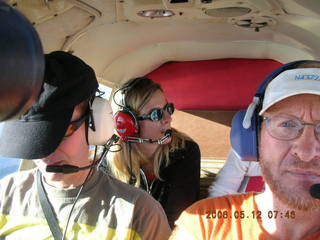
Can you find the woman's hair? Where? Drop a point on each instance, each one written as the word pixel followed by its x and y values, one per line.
pixel 137 92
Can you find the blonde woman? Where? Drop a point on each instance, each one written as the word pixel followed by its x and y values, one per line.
pixel 168 167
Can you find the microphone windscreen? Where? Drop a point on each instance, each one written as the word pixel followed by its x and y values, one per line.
pixel 62 169
pixel 315 191
pixel 55 169
pixel 168 132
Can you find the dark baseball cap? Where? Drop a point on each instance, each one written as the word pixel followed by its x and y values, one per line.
pixel 68 81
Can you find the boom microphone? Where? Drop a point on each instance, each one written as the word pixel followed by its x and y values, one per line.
pixel 315 191
pixel 67 168
pixel 167 135
pixel 73 169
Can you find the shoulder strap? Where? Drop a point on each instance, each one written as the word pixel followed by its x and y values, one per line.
pixel 47 210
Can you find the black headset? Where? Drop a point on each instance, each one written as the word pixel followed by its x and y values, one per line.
pixel 246 124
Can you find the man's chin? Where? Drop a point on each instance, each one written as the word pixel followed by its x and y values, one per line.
pixel 291 191
pixel 53 176
pixel 50 176
pixel 294 195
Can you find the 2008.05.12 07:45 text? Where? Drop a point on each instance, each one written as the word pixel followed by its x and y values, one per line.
pixel 224 214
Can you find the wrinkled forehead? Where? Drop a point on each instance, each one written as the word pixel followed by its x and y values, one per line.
pixel 298 105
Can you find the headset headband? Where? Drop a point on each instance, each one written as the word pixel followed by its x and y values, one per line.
pixel 246 124
pixel 257 101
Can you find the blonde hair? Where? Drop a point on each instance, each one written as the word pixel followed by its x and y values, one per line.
pixel 137 92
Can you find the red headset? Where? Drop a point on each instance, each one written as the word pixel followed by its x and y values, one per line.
pixel 126 124
pixel 126 121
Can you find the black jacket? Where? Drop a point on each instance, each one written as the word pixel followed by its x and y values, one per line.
pixel 181 181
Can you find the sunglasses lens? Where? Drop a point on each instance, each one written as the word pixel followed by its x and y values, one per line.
pixel 170 108
pixel 156 114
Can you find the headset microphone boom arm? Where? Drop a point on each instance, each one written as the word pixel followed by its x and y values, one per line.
pixel 73 169
pixel 167 135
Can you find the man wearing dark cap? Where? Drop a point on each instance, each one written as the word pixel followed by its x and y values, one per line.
pixel 66 197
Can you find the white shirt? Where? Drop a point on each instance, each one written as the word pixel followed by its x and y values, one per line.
pixel 233 175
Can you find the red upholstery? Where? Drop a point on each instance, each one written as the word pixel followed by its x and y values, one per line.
pixel 255 184
pixel 223 84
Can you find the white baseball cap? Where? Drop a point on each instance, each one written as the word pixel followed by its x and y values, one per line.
pixel 289 83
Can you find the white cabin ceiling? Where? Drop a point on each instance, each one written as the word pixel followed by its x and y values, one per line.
pixel 119 44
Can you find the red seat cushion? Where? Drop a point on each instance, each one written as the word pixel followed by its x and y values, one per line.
pixel 255 184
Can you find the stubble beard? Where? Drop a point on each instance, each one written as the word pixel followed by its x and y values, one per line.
pixel 286 194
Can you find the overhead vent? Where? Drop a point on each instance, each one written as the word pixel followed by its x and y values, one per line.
pixel 227 11
pixel 156 13
pixel 255 23
pixel 178 1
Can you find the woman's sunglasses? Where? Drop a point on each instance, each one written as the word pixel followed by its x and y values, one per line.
pixel 74 125
pixel 157 114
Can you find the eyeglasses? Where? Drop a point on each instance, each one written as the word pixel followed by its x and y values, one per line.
pixel 286 127
pixel 157 114
pixel 74 125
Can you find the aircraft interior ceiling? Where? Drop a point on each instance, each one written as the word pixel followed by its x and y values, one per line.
pixel 122 39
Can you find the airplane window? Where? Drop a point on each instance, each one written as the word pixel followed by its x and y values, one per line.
pixel 107 91
pixel 8 165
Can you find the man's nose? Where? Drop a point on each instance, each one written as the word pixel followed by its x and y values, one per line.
pixel 307 145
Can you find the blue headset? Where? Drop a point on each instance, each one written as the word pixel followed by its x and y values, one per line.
pixel 245 126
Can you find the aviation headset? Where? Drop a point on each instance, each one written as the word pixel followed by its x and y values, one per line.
pixel 100 127
pixel 101 124
pixel 126 121
pixel 246 124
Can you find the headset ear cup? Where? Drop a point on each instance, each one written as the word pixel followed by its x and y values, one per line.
pixel 244 141
pixel 126 124
pixel 103 122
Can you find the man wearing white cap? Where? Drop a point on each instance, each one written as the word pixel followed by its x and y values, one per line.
pixel 286 116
